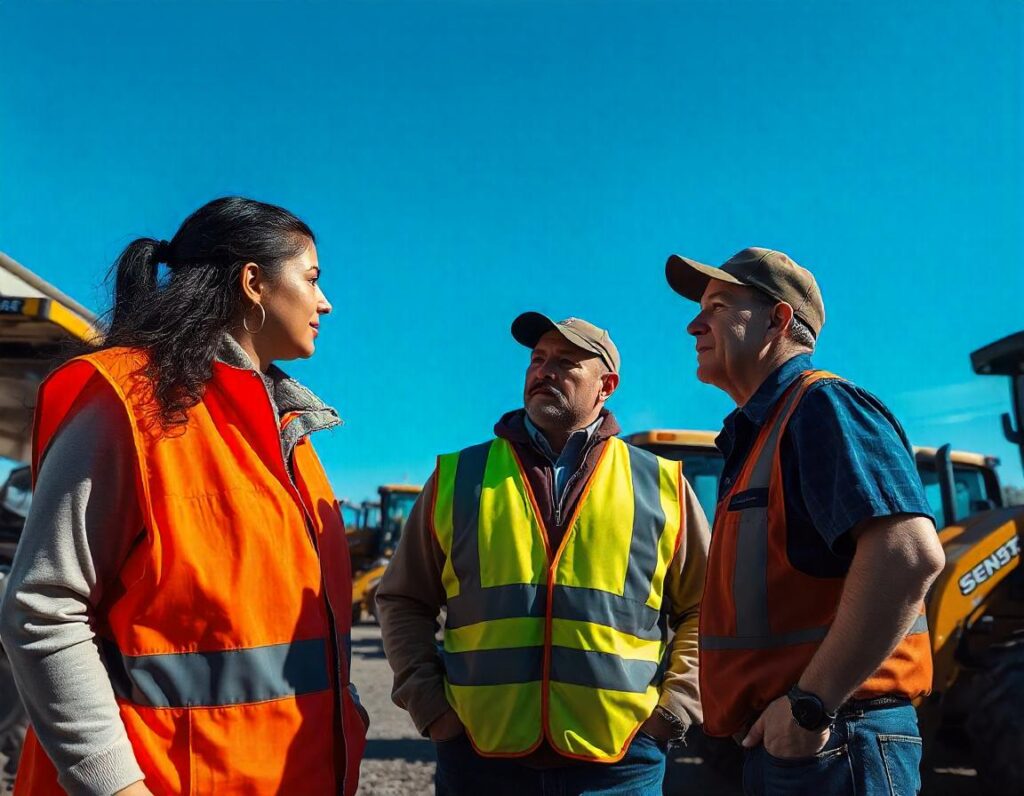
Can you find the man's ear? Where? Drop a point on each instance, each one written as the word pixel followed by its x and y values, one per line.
pixel 609 383
pixel 781 318
pixel 252 282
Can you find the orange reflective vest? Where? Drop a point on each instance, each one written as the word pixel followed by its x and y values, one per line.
pixel 226 633
pixel 761 618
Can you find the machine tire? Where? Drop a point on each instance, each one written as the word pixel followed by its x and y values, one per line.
pixel 994 722
pixel 13 717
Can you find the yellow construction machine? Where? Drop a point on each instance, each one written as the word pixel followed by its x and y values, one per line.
pixel 373 539
pixel 37 322
pixel 976 606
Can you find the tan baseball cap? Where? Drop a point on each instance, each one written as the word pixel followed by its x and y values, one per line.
pixel 529 327
pixel 769 271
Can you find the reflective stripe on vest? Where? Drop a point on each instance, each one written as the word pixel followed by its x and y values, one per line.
pixel 750 571
pixel 218 679
pixel 546 633
pixel 920 625
pixel 767 643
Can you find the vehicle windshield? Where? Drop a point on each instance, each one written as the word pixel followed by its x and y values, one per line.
pixel 371 515
pixel 971 491
pixel 352 516
pixel 399 506
pixel 701 467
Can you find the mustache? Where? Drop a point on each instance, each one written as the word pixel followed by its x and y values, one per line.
pixel 536 388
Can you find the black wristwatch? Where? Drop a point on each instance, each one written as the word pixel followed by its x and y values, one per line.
pixel 808 710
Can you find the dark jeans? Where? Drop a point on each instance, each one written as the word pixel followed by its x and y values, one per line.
pixel 462 772
pixel 876 752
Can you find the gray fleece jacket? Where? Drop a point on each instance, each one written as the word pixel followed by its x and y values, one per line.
pixel 84 520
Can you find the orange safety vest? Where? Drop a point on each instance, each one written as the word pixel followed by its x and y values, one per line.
pixel 226 633
pixel 761 618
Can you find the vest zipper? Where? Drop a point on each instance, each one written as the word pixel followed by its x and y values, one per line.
pixel 293 490
pixel 555 500
pixel 553 557
pixel 559 501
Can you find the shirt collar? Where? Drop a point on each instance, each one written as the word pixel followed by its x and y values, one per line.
pixel 287 394
pixel 545 447
pixel 760 406
pixel 771 390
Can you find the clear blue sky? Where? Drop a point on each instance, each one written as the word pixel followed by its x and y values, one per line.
pixel 464 161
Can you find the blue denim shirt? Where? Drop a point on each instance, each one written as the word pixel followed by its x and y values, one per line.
pixel 845 459
pixel 568 461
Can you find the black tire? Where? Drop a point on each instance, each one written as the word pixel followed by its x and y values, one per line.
pixel 13 718
pixel 994 723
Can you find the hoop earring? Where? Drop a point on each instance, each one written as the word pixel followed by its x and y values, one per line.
pixel 263 319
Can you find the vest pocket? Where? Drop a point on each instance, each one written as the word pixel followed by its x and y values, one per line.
pixel 280 746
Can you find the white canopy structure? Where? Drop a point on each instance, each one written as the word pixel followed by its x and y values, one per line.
pixel 36 322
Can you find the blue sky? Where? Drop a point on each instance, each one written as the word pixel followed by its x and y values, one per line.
pixel 465 161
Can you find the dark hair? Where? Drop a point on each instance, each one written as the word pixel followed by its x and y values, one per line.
pixel 799 332
pixel 179 320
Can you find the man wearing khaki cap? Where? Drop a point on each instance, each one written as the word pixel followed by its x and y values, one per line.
pixel 812 633
pixel 563 557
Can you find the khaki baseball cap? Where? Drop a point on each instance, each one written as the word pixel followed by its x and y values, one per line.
pixel 529 327
pixel 769 271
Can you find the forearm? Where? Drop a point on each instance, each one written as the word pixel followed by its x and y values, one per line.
pixel 680 692
pixel 895 562
pixel 65 688
pixel 409 644
pixel 684 585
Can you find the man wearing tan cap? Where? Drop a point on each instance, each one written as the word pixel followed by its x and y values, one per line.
pixel 813 640
pixel 563 556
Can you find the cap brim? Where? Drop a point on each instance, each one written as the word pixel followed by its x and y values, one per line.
pixel 529 327
pixel 690 278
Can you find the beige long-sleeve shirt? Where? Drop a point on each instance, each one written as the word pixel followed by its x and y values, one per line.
pixel 411 595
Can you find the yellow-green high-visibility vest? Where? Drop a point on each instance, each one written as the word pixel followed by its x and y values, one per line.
pixel 565 644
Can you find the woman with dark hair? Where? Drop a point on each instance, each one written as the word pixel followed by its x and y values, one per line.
pixel 177 615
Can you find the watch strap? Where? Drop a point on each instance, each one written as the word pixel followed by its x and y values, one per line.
pixel 823 717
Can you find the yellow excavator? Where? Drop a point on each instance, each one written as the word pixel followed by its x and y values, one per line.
pixel 372 542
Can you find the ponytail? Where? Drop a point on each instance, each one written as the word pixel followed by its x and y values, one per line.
pixel 135 279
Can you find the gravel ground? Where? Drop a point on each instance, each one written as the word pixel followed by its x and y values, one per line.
pixel 398 762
